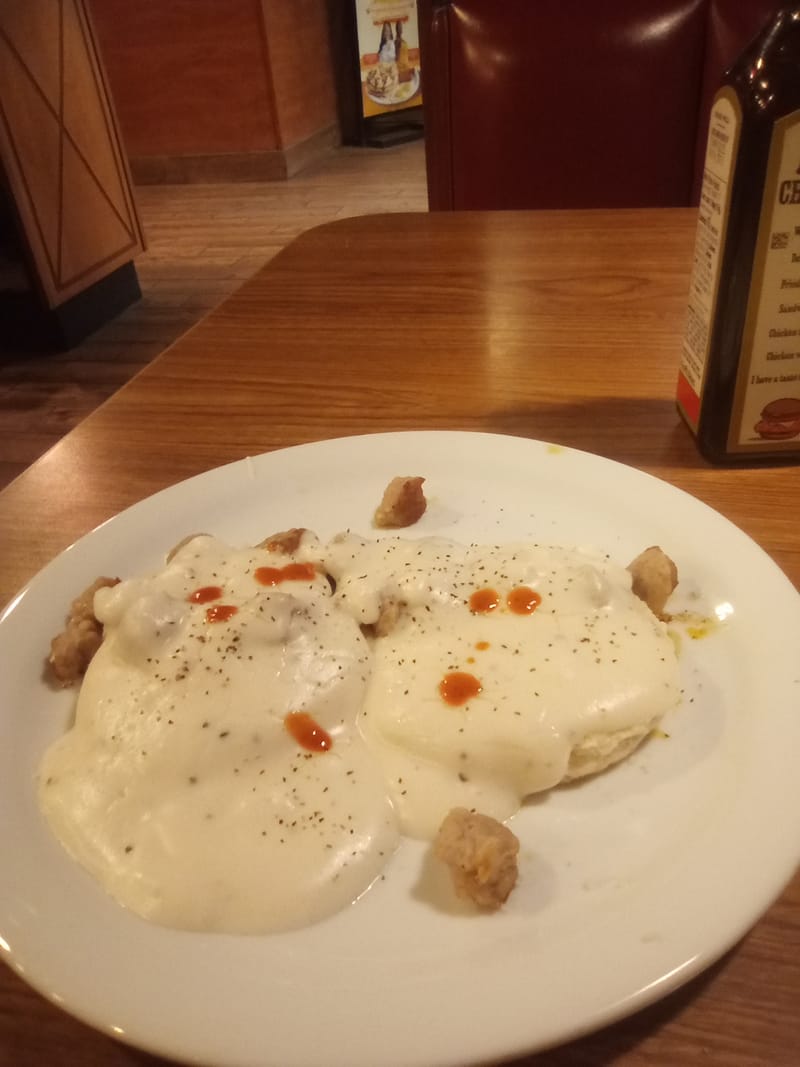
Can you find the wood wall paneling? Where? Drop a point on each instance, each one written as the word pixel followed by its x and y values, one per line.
pixel 301 66
pixel 214 90
pixel 188 76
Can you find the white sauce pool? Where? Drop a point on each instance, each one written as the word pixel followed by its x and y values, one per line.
pixel 183 792
pixel 179 787
pixel 589 667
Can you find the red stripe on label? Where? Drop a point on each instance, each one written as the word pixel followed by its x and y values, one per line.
pixel 688 400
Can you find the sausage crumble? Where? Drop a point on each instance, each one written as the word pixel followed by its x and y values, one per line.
pixel 71 651
pixel 403 503
pixel 655 577
pixel 481 854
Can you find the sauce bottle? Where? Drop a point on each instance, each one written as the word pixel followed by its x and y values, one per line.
pixel 739 380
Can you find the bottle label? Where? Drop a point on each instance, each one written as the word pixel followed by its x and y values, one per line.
pixel 723 141
pixel 766 404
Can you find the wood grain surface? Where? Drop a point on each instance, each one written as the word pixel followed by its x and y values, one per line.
pixel 203 241
pixel 562 326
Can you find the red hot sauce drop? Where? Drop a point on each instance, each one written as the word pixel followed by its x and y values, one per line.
pixel 206 593
pixel 483 601
pixel 220 612
pixel 292 572
pixel 523 600
pixel 307 732
pixel 457 687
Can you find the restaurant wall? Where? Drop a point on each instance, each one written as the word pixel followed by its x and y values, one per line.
pixel 219 89
pixel 302 66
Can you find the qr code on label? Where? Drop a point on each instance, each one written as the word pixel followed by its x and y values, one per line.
pixel 779 240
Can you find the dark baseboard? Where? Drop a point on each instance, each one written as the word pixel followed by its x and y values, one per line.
pixel 86 312
pixel 268 166
pixel 26 325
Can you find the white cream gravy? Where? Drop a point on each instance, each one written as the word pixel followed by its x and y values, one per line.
pixel 181 789
pixel 179 786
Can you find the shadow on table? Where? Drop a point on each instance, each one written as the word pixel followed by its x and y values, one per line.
pixel 640 431
pixel 605 1047
pixel 24 329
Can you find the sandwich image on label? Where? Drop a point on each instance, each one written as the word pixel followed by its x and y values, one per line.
pixel 780 419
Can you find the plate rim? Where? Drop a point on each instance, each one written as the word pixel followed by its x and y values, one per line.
pixel 690 969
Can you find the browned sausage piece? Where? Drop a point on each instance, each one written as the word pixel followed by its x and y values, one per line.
pixel 287 541
pixel 403 503
pixel 481 854
pixel 71 651
pixel 654 579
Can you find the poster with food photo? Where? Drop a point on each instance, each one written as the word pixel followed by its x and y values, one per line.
pixel 388 47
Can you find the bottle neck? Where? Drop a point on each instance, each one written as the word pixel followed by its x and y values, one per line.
pixel 786 22
pixel 767 69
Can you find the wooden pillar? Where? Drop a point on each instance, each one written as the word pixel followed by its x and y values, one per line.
pixel 63 166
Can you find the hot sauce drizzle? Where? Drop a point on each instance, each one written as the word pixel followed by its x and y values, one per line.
pixel 523 600
pixel 291 572
pixel 206 593
pixel 307 732
pixel 483 601
pixel 220 612
pixel 457 687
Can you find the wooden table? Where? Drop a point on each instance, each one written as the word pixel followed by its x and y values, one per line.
pixel 558 326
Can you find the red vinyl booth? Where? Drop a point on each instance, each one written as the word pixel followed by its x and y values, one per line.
pixel 573 103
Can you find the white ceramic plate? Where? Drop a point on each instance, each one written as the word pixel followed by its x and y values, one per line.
pixel 626 880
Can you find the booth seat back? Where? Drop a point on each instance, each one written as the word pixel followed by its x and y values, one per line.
pixel 570 103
